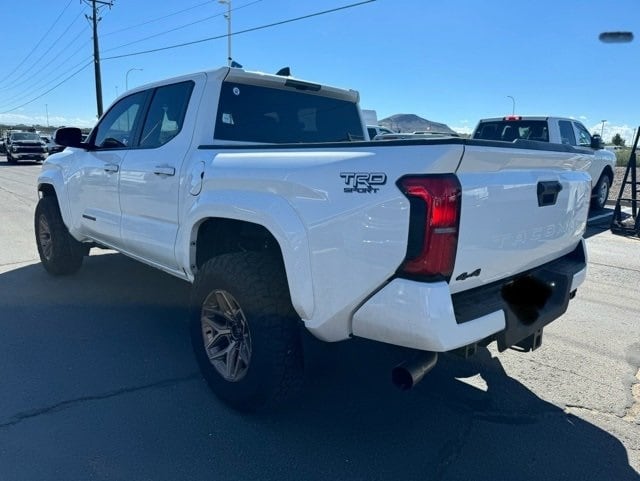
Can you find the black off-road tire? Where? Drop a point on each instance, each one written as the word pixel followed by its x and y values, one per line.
pixel 257 285
pixel 10 159
pixel 601 192
pixel 59 252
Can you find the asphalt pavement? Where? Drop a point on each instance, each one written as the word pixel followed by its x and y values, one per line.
pixel 98 382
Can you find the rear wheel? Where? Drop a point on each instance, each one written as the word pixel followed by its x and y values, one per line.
pixel 59 252
pixel 602 192
pixel 245 332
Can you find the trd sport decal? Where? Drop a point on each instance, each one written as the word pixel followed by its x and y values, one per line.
pixel 363 182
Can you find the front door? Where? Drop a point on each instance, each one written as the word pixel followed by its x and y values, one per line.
pixel 93 189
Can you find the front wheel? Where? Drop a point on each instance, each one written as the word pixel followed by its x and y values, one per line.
pixel 602 192
pixel 11 159
pixel 244 330
pixel 59 252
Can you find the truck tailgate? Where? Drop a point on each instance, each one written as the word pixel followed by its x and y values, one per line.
pixel 520 208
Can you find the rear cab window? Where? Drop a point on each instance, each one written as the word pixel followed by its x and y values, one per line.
pixel 166 114
pixel 257 113
pixel 510 130
pixel 567 136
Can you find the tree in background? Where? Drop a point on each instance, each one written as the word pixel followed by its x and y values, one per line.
pixel 618 140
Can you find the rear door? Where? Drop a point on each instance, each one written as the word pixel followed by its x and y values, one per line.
pixel 150 175
pixel 520 209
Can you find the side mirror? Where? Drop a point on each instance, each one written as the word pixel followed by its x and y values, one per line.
pixel 68 137
pixel 596 142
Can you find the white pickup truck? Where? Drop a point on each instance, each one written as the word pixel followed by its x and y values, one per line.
pixel 254 188
pixel 557 130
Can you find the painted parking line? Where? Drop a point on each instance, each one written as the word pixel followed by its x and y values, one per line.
pixel 600 216
pixel 608 213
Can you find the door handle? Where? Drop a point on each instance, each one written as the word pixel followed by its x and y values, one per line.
pixel 164 170
pixel 548 192
pixel 111 168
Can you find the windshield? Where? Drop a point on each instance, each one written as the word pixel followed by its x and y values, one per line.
pixel 25 136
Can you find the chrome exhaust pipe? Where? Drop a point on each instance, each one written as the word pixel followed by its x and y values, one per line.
pixel 406 375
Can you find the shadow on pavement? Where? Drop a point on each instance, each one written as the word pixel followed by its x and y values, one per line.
pixel 600 221
pixel 99 382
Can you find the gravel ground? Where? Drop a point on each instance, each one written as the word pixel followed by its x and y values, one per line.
pixel 617 183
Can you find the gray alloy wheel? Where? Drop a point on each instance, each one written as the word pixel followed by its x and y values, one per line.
pixel 226 335
pixel 244 330
pixel 44 237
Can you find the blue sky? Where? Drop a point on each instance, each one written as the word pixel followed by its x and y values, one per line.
pixel 451 62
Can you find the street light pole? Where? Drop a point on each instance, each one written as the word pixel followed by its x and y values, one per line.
pixel 228 17
pixel 46 107
pixel 602 130
pixel 126 77
pixel 513 104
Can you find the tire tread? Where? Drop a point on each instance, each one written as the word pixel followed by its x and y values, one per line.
pixel 260 281
pixel 68 253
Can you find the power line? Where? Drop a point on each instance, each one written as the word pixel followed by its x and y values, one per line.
pixel 177 28
pixel 37 44
pixel 240 32
pixel 16 80
pixel 86 65
pixel 50 90
pixel 48 81
pixel 156 19
pixel 42 81
pixel 163 33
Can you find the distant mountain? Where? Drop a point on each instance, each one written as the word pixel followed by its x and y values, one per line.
pixel 413 123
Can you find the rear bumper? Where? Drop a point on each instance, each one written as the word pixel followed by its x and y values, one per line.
pixel 426 316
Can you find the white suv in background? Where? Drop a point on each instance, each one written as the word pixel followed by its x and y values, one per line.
pixel 374 130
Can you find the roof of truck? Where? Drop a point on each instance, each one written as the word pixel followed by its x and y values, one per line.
pixel 526 117
pixel 241 75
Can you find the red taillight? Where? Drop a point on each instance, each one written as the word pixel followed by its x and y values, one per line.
pixel 433 236
pixel 512 117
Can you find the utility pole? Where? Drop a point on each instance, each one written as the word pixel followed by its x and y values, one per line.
pixel 95 5
pixel 228 17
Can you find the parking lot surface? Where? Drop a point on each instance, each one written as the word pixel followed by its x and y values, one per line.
pixel 98 382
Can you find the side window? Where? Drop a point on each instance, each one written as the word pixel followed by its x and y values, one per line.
pixel 116 129
pixel 584 137
pixel 166 114
pixel 566 132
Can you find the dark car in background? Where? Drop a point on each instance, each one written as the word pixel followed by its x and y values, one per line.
pixel 25 146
